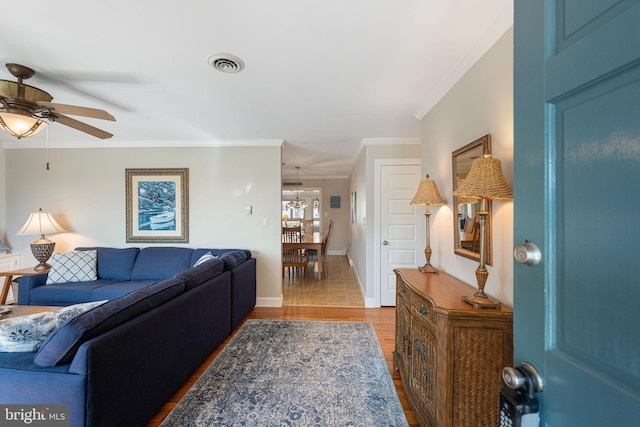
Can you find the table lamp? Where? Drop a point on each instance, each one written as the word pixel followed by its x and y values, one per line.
pixel 41 223
pixel 485 181
pixel 427 195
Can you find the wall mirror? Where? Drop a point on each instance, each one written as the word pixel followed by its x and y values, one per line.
pixel 466 222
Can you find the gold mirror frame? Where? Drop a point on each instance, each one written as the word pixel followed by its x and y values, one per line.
pixel 463 243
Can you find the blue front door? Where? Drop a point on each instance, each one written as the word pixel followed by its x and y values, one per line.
pixel 577 196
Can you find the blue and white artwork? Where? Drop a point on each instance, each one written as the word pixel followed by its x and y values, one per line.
pixel 156 205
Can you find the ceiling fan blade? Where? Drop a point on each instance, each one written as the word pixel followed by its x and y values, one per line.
pixel 83 127
pixel 75 110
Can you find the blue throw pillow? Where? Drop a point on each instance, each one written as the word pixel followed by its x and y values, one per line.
pixel 60 346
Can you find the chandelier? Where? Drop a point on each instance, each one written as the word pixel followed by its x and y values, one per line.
pixel 297 204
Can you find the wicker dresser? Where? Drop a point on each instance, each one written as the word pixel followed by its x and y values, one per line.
pixel 450 355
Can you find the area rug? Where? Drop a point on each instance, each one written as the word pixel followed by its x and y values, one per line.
pixel 294 373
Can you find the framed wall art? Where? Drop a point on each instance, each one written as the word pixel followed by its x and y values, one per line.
pixel 157 205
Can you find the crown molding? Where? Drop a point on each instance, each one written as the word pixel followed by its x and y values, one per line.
pixel 496 30
pixel 26 144
pixel 391 141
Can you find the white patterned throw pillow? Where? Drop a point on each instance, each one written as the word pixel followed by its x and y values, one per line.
pixel 26 333
pixel 76 266
pixel 206 257
pixel 67 313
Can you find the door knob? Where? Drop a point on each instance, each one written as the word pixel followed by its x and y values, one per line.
pixel 385 242
pixel 528 254
pixel 524 375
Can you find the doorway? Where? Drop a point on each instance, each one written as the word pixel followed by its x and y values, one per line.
pixel 398 240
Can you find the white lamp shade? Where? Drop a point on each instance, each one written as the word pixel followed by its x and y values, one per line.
pixel 40 223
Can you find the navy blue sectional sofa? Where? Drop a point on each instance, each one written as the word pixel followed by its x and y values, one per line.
pixel 118 363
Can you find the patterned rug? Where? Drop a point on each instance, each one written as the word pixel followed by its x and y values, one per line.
pixel 294 373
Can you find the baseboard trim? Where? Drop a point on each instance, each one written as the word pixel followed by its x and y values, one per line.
pixel 269 302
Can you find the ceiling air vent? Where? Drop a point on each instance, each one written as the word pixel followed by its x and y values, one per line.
pixel 226 63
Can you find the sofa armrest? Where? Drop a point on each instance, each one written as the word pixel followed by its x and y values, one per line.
pixel 26 284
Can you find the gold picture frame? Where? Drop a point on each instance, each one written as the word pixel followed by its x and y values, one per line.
pixel 466 237
pixel 157 205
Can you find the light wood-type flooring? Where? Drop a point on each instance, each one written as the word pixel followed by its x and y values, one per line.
pixel 335 298
pixel 339 288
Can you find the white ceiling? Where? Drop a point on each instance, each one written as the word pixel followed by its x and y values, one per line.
pixel 321 75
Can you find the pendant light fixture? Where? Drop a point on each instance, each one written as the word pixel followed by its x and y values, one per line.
pixel 297 204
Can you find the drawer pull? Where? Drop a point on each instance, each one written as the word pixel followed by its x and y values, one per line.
pixel 403 289
pixel 424 311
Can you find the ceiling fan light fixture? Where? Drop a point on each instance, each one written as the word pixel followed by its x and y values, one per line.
pixel 20 125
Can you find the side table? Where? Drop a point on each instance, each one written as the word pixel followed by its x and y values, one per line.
pixel 8 278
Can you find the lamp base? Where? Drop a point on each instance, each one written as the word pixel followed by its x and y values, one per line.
pixel 482 302
pixel 428 268
pixel 42 266
pixel 42 250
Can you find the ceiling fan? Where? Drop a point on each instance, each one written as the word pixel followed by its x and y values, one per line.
pixel 24 109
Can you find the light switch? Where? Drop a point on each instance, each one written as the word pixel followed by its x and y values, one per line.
pixel 248 209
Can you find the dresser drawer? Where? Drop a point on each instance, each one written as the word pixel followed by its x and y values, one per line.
pixel 423 311
pixel 403 294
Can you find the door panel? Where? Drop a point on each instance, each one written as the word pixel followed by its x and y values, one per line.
pixel 399 225
pixel 576 157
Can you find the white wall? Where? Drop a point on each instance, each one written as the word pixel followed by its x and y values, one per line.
pixel 480 103
pixel 363 232
pixel 85 191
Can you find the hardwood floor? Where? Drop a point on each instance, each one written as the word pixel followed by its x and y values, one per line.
pixel 310 299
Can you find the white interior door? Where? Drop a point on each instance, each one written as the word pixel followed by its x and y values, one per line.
pixel 400 225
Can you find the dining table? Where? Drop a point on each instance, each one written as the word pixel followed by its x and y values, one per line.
pixel 314 241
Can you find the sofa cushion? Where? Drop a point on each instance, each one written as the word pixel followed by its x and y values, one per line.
pixel 60 346
pixel 113 263
pixel 199 274
pixel 197 253
pixel 160 262
pixel 65 294
pixel 119 289
pixel 76 266
pixel 233 259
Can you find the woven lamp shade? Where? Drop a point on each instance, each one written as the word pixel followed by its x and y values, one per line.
pixel 464 200
pixel 427 194
pixel 485 179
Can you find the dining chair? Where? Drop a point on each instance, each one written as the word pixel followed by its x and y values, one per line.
pixel 294 258
pixel 291 234
pixel 322 256
pixel 475 243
